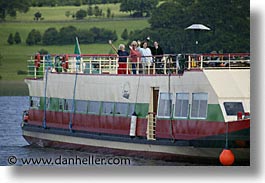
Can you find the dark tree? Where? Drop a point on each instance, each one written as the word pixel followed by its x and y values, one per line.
pixel 85 37
pixel 30 40
pixel 80 14
pixel 124 34
pixel 50 37
pixel 67 14
pixel 229 21
pixel 9 7
pixel 138 7
pixel 90 11
pixel 67 35
pixel 10 39
pixel 17 38
pixel 43 52
pixel 77 2
pixel 34 37
pixel 108 13
pixel 97 11
pixel 37 16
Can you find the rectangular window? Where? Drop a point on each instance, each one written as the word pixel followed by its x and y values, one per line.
pixel 81 106
pixel 35 102
pixel 107 108
pixel 121 109
pixel 199 105
pixel 131 109
pixel 165 105
pixel 93 107
pixel 68 105
pixel 232 108
pixel 61 103
pixel 181 105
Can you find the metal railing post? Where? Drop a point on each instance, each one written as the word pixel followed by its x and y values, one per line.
pixel 229 61
pixel 189 62
pixel 127 65
pixel 201 62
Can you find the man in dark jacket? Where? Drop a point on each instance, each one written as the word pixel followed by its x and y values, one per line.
pixel 157 52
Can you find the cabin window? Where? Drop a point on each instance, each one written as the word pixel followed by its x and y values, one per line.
pixel 232 108
pixel 182 105
pixel 60 104
pixel 199 105
pixel 107 108
pixel 94 107
pixel 165 105
pixel 131 109
pixel 68 104
pixel 35 102
pixel 121 109
pixel 81 106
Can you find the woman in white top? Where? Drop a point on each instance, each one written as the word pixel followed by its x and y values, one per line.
pixel 146 58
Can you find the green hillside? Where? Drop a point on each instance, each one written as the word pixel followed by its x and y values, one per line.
pixel 14 57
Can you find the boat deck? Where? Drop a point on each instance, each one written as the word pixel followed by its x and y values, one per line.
pixel 174 64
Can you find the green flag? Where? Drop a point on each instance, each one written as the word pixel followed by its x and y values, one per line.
pixel 77 47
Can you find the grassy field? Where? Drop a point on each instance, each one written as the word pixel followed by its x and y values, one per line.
pixel 58 13
pixel 14 57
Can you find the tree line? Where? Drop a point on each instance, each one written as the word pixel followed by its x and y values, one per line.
pixel 229 21
pixel 52 3
pixel 137 8
pixel 66 35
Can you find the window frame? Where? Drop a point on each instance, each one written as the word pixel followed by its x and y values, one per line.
pixel 206 110
pixel 35 100
pixel 240 102
pixel 61 104
pixel 175 105
pixel 99 108
pixel 127 109
pixel 83 101
pixel 158 107
pixel 111 112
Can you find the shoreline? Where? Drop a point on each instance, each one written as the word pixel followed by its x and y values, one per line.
pixel 13 88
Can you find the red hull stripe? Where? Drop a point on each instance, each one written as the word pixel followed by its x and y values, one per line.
pixel 177 129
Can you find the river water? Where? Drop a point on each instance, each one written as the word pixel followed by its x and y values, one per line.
pixel 12 144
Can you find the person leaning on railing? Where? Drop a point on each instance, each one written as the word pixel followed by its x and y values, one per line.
pixel 146 58
pixel 135 56
pixel 157 52
pixel 123 54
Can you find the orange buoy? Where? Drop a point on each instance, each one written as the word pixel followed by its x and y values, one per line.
pixel 227 157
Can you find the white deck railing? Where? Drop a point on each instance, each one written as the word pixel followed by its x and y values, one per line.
pixel 108 64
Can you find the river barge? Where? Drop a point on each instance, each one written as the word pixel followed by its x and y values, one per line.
pixel 195 106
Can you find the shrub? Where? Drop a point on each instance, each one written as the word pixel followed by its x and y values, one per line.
pixel 43 52
pixel 67 35
pixel 17 38
pixel 124 34
pixel 81 14
pixel 50 37
pixel 34 37
pixel 10 39
pixel 20 72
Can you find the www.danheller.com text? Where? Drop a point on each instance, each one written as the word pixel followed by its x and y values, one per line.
pixel 76 160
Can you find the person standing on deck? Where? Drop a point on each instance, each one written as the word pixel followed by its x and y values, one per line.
pixel 146 58
pixel 123 55
pixel 157 52
pixel 135 56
